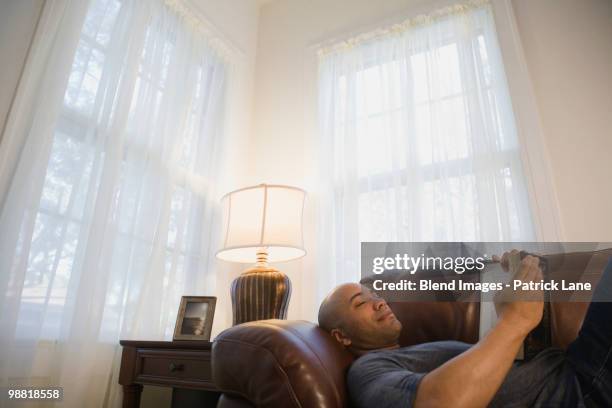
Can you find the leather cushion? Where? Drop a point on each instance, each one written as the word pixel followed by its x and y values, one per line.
pixel 274 363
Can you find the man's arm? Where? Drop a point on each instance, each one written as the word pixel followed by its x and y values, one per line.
pixel 472 378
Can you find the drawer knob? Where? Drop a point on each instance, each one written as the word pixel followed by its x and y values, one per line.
pixel 175 367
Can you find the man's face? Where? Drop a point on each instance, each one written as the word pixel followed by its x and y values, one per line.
pixel 368 321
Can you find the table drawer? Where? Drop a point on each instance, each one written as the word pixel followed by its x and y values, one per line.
pixel 191 368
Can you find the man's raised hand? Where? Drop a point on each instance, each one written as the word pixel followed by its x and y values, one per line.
pixel 524 311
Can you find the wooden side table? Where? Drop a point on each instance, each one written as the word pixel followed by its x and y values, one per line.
pixel 183 365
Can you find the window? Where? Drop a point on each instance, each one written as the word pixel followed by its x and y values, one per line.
pixel 125 207
pixel 421 136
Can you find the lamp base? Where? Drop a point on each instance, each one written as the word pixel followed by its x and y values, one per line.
pixel 260 293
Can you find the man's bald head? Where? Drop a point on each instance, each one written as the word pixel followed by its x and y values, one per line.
pixel 331 309
pixel 357 317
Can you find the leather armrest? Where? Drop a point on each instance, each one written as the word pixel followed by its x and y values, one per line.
pixel 566 317
pixel 274 363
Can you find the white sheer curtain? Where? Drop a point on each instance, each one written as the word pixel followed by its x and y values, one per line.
pixel 109 196
pixel 418 140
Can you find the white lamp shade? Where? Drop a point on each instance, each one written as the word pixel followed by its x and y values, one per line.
pixel 263 216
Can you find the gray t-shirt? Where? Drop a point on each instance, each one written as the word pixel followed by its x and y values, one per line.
pixel 390 378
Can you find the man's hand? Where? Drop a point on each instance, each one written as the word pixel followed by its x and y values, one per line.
pixel 472 378
pixel 524 310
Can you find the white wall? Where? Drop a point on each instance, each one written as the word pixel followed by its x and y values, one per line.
pixel 568 47
pixel 568 50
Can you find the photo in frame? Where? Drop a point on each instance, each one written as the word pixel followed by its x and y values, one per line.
pixel 195 318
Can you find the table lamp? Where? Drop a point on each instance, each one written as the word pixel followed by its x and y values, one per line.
pixel 262 224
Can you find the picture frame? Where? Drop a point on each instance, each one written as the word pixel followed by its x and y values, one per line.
pixel 195 318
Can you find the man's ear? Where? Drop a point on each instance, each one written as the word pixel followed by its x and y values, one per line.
pixel 341 337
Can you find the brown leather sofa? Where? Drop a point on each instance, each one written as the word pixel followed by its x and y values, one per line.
pixel 284 363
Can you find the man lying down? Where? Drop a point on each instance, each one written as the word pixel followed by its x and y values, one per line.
pixel 455 374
